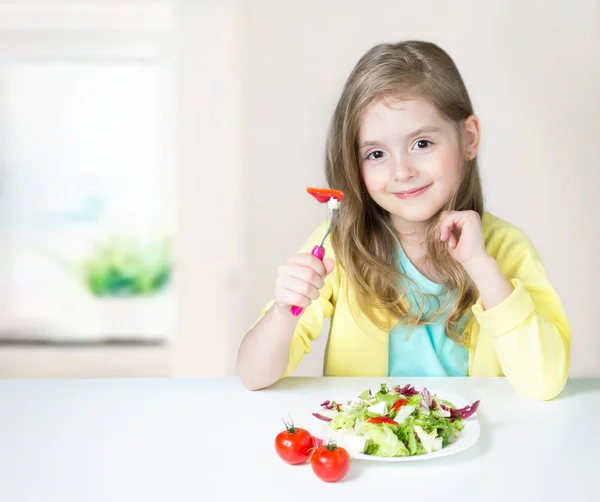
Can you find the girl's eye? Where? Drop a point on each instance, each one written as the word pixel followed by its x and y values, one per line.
pixel 377 154
pixel 421 144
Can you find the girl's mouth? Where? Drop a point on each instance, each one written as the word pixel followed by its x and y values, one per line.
pixel 411 194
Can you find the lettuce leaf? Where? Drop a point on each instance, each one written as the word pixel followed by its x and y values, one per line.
pixel 388 444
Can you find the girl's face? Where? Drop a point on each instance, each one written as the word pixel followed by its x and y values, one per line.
pixel 411 158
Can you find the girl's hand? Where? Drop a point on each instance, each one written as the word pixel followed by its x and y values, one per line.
pixel 462 231
pixel 300 279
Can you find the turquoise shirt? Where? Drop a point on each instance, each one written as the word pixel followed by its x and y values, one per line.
pixel 424 350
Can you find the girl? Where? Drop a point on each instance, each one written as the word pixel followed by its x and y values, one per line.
pixel 419 281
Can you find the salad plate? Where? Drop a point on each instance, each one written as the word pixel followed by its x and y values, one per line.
pixel 399 423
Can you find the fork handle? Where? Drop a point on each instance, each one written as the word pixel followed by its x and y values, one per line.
pixel 319 252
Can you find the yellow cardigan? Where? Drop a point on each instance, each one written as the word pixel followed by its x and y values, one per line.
pixel 526 338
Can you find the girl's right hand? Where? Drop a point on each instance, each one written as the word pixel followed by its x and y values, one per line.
pixel 300 279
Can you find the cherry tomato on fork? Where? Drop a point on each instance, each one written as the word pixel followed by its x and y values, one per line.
pixel 294 445
pixel 324 194
pixel 330 462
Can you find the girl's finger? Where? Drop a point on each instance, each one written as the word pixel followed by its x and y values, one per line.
pixel 459 220
pixel 452 241
pixel 307 260
pixel 289 298
pixel 443 233
pixel 301 287
pixel 303 273
pixel 329 265
pixel 446 225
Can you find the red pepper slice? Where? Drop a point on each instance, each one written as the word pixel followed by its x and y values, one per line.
pixel 324 194
pixel 397 405
pixel 381 420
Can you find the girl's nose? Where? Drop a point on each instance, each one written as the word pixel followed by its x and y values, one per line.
pixel 404 171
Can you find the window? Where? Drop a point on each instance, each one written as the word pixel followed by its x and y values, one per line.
pixel 86 187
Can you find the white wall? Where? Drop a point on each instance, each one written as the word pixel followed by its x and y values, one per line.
pixel 210 269
pixel 533 72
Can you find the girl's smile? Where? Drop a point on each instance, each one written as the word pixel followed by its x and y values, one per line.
pixel 411 194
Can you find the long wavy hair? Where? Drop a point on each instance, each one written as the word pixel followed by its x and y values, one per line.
pixel 365 241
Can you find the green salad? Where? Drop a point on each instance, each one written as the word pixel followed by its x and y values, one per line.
pixel 395 422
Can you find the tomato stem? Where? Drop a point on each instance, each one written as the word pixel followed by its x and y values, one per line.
pixel 290 425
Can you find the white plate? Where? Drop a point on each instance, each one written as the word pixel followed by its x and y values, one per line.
pixel 467 437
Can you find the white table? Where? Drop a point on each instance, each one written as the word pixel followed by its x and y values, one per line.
pixel 198 440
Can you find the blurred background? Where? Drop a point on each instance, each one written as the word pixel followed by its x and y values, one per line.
pixel 154 156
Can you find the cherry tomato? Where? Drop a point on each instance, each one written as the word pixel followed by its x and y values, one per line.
pixel 324 194
pixel 294 445
pixel 330 462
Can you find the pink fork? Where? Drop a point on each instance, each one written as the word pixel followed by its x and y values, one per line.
pixel 319 250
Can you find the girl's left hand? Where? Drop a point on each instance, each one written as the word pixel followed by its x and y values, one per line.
pixel 462 231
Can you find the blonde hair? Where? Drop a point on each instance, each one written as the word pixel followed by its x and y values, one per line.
pixel 364 241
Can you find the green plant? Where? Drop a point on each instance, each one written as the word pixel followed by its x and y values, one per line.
pixel 124 267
